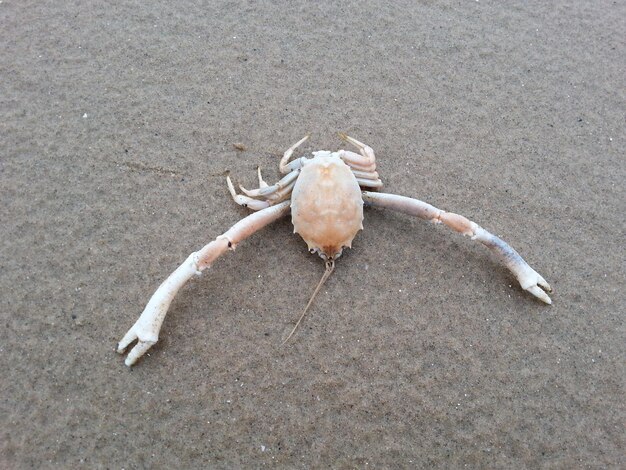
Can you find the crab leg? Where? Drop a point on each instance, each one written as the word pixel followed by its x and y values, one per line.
pixel 282 193
pixel 146 328
pixel 367 179
pixel 366 161
pixel 363 165
pixel 357 162
pixel 245 201
pixel 262 183
pixel 286 168
pixel 366 175
pixel 269 190
pixel 271 197
pixel 528 278
pixel 369 183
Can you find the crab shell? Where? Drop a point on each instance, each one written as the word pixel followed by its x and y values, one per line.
pixel 326 205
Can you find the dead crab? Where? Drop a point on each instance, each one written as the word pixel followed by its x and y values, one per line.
pixel 325 195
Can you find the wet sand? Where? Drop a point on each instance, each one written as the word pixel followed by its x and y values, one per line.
pixel 117 129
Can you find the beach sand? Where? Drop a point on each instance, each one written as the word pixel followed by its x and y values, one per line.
pixel 116 133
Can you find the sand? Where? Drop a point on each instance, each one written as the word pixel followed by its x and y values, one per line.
pixel 117 128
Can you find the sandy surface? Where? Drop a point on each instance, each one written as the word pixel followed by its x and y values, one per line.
pixel 117 126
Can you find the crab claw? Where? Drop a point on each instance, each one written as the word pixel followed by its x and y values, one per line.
pixel 146 328
pixel 139 350
pixel 533 282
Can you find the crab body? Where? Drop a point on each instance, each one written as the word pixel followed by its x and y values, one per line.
pixel 325 195
pixel 326 205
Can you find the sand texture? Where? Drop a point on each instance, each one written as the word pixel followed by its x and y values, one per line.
pixel 117 127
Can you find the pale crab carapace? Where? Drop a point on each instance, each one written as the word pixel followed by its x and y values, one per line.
pixel 325 195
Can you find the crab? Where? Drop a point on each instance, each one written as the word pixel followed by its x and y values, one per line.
pixel 325 195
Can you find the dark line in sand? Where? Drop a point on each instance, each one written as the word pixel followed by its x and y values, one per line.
pixel 154 169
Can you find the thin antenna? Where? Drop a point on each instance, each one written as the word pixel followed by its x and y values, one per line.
pixel 330 266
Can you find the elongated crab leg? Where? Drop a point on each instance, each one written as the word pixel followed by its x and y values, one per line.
pixel 146 328
pixel 528 278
